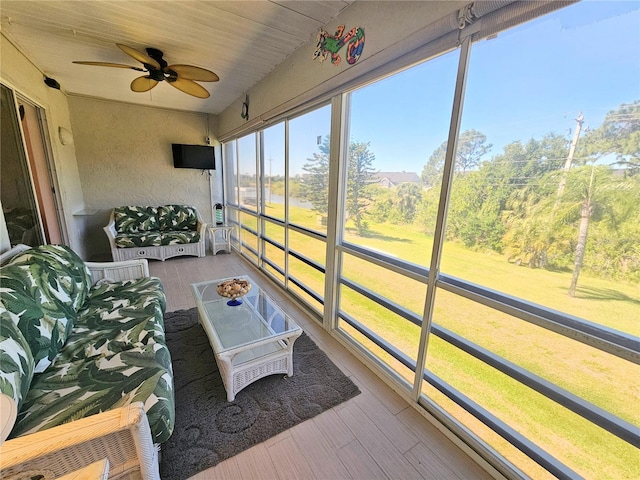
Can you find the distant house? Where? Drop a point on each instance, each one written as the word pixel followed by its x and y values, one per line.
pixel 393 179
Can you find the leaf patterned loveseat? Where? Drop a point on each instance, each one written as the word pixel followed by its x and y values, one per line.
pixel 84 366
pixel 156 232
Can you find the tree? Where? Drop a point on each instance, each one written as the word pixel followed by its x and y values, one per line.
pixel 592 224
pixel 408 196
pixel 619 135
pixel 359 176
pixel 314 185
pixel 471 148
pixel 516 176
pixel 480 197
pixel 397 205
pixel 592 195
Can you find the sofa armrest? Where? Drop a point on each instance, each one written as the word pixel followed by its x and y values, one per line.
pixel 122 435
pixel 110 230
pixel 201 228
pixel 118 271
pixel 9 254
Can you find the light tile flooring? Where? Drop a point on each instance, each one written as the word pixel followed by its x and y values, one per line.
pixel 375 435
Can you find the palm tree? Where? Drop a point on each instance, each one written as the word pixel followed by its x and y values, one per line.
pixel 591 193
pixel 586 210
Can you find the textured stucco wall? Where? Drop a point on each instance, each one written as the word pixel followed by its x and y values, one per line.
pixel 125 158
pixel 18 73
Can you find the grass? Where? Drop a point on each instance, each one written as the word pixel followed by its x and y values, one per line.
pixel 600 378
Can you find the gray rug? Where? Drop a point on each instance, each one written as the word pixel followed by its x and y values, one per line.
pixel 208 429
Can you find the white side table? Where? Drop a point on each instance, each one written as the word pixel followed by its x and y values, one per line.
pixel 220 238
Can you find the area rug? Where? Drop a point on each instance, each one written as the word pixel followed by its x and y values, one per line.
pixel 208 429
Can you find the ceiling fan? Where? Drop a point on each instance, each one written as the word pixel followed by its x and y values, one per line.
pixel 182 77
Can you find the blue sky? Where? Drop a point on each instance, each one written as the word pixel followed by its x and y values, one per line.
pixel 531 80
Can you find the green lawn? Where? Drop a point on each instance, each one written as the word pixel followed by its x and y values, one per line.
pixel 602 379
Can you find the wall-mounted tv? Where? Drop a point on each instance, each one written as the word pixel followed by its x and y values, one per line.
pixel 193 156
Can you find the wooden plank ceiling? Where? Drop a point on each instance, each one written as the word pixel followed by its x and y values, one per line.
pixel 241 41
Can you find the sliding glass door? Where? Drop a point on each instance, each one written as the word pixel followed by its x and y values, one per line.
pixel 19 205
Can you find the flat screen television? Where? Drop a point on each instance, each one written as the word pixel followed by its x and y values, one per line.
pixel 193 156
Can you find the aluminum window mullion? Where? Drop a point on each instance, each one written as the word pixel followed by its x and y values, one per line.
pixel 276 244
pixel 388 304
pixel 307 290
pixel 307 261
pixel 275 220
pixel 443 204
pixel 309 233
pixel 259 139
pixel 286 203
pixel 579 406
pixel 272 265
pixel 532 450
pixel 398 266
pixel 379 341
pixel 338 151
pixel 593 335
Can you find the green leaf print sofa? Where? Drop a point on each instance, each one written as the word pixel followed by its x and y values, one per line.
pixel 85 373
pixel 156 232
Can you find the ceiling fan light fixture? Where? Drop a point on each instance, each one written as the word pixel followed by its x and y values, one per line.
pixel 182 77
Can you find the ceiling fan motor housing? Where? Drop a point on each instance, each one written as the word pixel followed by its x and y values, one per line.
pixel 162 73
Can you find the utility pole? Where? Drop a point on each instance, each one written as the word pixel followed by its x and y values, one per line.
pixel 561 187
pixel 572 151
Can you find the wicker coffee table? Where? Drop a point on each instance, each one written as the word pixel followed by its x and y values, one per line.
pixel 249 341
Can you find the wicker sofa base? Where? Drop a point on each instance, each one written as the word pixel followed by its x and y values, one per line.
pixel 159 252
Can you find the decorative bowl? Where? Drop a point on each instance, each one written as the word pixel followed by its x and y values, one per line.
pixel 233 289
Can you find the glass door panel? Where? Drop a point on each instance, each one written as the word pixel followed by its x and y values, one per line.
pixel 17 195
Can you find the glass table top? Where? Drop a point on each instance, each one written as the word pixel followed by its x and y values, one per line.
pixel 256 320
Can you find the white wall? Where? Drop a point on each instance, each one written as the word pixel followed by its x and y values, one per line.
pixel 124 158
pixel 391 28
pixel 18 73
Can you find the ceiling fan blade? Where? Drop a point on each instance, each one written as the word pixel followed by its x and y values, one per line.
pixel 191 72
pixel 189 86
pixel 143 84
pixel 141 57
pixel 107 64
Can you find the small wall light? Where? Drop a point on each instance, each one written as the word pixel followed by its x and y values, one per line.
pixel 65 136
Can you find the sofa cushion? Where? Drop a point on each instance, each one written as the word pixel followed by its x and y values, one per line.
pixel 68 391
pixel 45 287
pixel 144 239
pixel 180 237
pixel 116 317
pixel 116 354
pixel 177 217
pixel 16 361
pixel 135 219
pixel 119 339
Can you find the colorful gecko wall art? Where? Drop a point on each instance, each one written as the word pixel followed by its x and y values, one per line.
pixel 331 45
